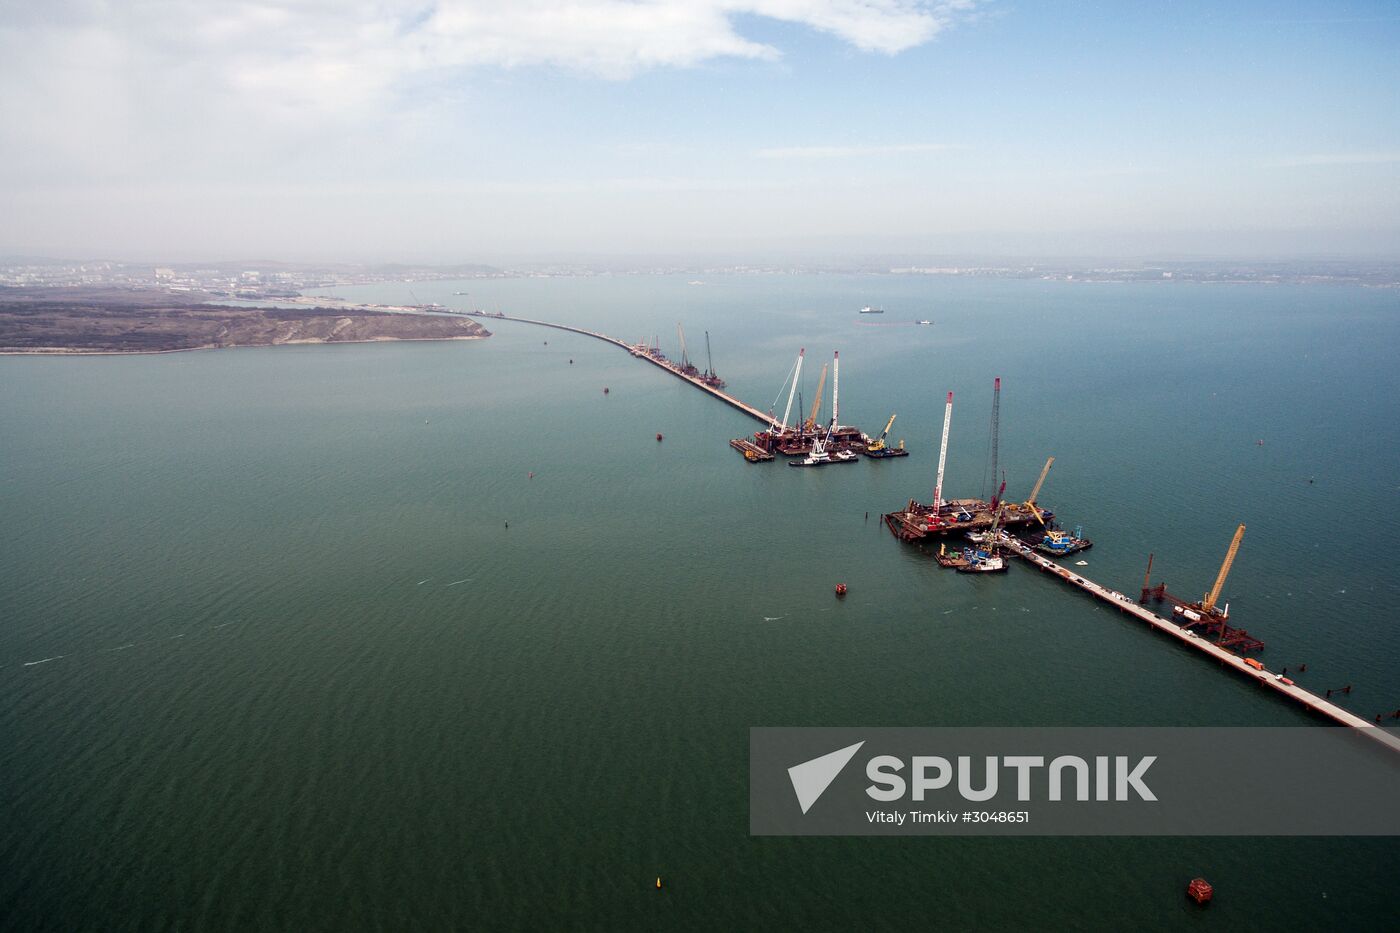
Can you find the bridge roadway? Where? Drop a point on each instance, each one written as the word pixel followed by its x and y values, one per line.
pixel 765 420
pixel 1189 638
pixel 1123 603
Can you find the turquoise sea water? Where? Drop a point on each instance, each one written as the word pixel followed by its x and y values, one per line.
pixel 304 677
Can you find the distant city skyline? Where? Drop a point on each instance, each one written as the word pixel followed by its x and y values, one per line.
pixel 467 131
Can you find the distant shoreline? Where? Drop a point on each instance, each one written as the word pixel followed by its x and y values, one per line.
pixel 69 351
pixel 104 321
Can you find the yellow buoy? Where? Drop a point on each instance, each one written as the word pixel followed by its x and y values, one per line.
pixel 658 882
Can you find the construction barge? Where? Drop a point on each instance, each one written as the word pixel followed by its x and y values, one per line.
pixel 942 517
pixel 751 451
pixel 815 442
pixel 1184 635
pixel 1206 613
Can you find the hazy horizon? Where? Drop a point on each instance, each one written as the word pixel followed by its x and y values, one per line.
pixel 464 131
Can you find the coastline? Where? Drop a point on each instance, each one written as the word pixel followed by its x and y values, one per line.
pixel 69 351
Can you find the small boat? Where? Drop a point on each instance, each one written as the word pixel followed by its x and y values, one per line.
pixel 925 322
pixel 869 310
pixel 821 458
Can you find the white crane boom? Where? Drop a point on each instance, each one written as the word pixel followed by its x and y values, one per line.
pixel 835 391
pixel 796 375
pixel 942 456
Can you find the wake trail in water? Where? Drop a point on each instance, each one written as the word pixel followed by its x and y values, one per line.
pixel 455 582
pixel 421 582
pixel 44 660
pixel 773 618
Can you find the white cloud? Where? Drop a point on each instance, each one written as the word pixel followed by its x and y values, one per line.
pixel 162 88
pixel 279 100
pixel 888 26
pixel 311 56
pixel 847 152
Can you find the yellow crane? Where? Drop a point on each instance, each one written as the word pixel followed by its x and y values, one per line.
pixel 879 442
pixel 816 402
pixel 1035 491
pixel 1208 603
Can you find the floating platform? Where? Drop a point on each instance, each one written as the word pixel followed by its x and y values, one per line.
pixel 751 451
pixel 917 521
pixel 794 443
pixel 1068 544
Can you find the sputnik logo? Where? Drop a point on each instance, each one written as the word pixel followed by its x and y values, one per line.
pixel 811 778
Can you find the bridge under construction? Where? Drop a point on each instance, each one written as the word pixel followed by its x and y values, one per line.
pixel 1183 634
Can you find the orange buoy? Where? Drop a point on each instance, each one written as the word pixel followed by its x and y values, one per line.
pixel 658 882
pixel 1199 890
pixel 840 589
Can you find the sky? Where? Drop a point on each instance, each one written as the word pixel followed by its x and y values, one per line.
pixel 476 130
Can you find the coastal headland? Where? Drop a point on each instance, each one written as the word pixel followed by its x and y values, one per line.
pixel 81 320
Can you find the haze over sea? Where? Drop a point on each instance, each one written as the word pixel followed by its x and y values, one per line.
pixel 269 654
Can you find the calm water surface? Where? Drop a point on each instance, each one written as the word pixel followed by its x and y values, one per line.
pixel 270 655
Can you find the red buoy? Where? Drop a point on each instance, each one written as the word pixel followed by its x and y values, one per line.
pixel 658 437
pixel 605 390
pixel 840 589
pixel 1199 890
